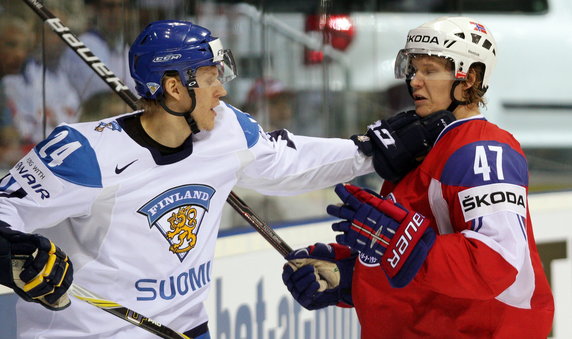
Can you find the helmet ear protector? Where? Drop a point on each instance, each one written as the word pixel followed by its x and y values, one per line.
pixel 461 40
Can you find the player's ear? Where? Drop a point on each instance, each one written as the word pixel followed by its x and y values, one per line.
pixel 171 87
pixel 471 79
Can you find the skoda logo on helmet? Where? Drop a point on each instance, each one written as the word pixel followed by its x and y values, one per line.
pixel 167 57
pixel 423 38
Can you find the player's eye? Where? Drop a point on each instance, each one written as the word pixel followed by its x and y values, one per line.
pixel 431 71
pixel 411 71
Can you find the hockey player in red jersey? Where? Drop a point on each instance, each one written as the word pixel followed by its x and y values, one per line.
pixel 447 251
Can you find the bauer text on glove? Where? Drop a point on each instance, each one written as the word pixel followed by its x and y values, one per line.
pixel 379 228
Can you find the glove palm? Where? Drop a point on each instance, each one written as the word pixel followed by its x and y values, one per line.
pixel 320 275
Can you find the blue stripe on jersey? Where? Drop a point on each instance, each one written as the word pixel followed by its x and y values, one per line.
pixel 485 162
pixel 68 154
pixel 521 222
pixel 249 126
pixel 10 181
pixel 478 224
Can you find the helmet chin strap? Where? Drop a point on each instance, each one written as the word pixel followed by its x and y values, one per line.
pixel 454 102
pixel 187 115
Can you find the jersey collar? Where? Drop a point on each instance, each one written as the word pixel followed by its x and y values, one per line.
pixel 458 123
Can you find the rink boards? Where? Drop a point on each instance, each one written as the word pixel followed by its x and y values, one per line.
pixel 248 299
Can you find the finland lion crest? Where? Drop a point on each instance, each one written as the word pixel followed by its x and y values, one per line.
pixel 177 213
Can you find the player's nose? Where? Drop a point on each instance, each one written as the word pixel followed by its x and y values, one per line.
pixel 220 91
pixel 416 82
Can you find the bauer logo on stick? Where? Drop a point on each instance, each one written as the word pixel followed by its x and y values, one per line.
pixel 86 54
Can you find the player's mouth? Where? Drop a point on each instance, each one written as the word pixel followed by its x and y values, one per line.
pixel 418 98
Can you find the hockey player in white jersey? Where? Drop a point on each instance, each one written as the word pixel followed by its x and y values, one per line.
pixel 135 201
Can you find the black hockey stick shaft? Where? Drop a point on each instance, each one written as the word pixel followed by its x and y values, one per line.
pixel 125 313
pixel 263 228
pixel 123 91
pixel 109 306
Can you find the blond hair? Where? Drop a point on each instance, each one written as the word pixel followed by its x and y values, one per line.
pixel 475 94
pixel 148 105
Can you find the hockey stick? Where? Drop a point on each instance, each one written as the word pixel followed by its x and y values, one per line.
pixel 112 307
pixel 125 313
pixel 130 99
pixel 266 231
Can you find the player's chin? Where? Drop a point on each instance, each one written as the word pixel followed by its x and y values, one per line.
pixel 422 110
pixel 206 125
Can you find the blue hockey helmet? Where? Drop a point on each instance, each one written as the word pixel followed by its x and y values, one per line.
pixel 176 46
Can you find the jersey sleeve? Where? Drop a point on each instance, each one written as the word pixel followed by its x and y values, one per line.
pixel 281 163
pixel 483 250
pixel 57 179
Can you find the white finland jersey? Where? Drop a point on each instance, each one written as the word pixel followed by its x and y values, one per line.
pixel 140 228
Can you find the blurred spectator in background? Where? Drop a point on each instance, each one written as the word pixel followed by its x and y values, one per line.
pixel 16 37
pixel 103 105
pixel 270 102
pixel 153 10
pixel 271 105
pixel 42 93
pixel 106 38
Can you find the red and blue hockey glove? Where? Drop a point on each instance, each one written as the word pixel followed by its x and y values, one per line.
pixel 320 275
pixel 397 238
pixel 34 268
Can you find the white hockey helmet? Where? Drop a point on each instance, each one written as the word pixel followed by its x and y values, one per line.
pixel 462 40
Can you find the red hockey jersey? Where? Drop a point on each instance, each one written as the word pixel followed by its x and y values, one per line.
pixel 483 277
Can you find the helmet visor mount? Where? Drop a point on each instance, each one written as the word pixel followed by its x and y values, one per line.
pixel 224 62
pixel 226 71
pixel 411 63
pixel 226 67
